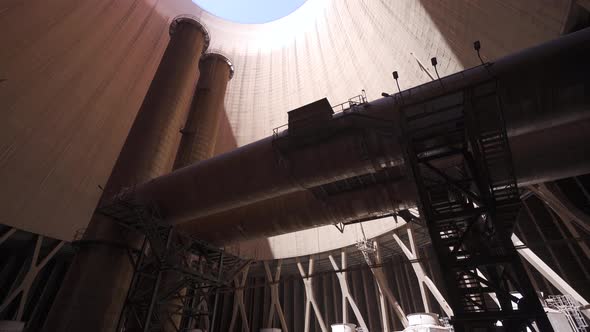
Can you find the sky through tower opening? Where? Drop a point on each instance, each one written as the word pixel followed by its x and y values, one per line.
pixel 251 11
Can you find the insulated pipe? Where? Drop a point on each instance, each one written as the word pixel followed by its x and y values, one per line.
pixel 202 123
pixel 96 284
pixel 300 210
pixel 540 88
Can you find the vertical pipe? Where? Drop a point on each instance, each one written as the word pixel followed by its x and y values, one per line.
pixel 200 131
pixel 344 298
pixel 95 287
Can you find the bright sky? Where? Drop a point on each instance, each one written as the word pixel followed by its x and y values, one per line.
pixel 250 11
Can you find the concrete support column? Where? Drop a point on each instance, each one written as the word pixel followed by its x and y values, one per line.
pixel 383 285
pixel 423 279
pixel 96 285
pixel 19 292
pixel 346 296
pixel 200 131
pixel 239 306
pixel 310 300
pixel 275 304
pixel 550 275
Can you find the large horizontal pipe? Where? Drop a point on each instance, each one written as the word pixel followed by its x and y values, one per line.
pixel 537 158
pixel 542 89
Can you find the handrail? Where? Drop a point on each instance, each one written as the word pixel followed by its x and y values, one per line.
pixel 351 102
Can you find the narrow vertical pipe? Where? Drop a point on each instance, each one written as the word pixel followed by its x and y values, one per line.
pixel 200 129
pixel 344 298
pixel 202 124
pixel 96 284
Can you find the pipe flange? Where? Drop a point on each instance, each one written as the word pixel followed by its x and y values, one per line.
pixel 194 21
pixel 222 58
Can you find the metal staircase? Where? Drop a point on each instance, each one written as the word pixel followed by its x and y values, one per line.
pixel 457 150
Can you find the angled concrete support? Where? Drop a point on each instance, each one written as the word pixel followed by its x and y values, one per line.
pixel 423 279
pixel 346 296
pixel 549 274
pixel 239 305
pixel 384 312
pixel 27 281
pixel 7 234
pixel 415 265
pixel 275 304
pixel 552 196
pixel 584 3
pixel 384 290
pixel 310 300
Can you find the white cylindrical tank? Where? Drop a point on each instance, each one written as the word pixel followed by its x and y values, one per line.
pixel 424 322
pixel 423 318
pixel 343 327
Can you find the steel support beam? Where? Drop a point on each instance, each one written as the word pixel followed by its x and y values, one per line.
pixel 346 296
pixel 310 300
pixel 275 304
pixel 412 255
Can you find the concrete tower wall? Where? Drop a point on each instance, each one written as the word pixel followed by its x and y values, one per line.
pixel 75 74
pixel 100 274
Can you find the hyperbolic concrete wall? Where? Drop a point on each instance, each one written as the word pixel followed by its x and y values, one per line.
pixel 76 73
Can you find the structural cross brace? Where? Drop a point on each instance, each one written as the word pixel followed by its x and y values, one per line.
pixel 175 275
pixel 457 150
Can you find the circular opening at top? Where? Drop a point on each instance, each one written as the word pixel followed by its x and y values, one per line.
pixel 250 11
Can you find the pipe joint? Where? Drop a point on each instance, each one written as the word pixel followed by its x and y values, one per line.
pixel 190 19
pixel 221 57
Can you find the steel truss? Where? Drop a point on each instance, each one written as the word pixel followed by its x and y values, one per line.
pixel 457 149
pixel 176 277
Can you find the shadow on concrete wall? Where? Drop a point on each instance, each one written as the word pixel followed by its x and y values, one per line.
pixel 503 26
